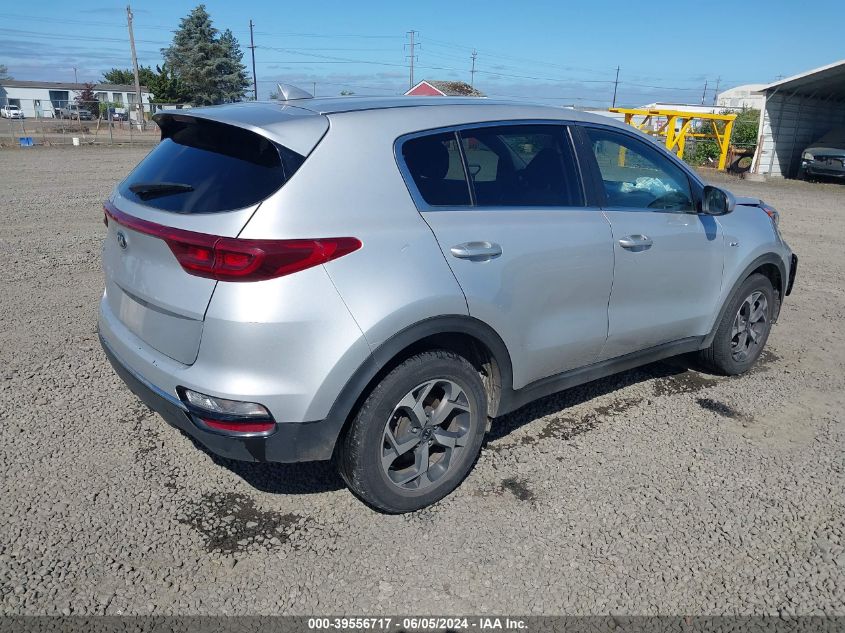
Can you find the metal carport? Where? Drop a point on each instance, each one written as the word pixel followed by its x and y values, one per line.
pixel 798 110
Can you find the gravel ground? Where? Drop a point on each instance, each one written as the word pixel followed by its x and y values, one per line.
pixel 660 490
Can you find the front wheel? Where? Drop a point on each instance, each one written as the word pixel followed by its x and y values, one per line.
pixel 417 435
pixel 744 328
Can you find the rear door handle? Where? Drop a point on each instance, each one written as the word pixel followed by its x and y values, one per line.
pixel 476 251
pixel 636 242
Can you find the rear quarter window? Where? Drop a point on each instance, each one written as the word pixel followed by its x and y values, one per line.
pixel 208 167
pixel 434 162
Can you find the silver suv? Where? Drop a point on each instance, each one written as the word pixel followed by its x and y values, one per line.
pixel 372 280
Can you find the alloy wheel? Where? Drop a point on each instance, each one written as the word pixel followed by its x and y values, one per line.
pixel 749 327
pixel 426 434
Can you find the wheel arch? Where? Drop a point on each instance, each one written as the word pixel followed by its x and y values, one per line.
pixel 465 335
pixel 771 266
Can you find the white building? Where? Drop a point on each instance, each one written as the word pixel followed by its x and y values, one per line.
pixel 42 98
pixel 747 96
pixel 682 107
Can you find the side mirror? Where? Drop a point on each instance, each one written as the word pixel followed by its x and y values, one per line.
pixel 717 201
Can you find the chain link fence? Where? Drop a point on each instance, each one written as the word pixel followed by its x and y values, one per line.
pixel 33 122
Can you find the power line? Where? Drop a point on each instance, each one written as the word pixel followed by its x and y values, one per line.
pixel 332 61
pixel 93 38
pixel 537 62
pixel 331 58
pixel 492 73
pixel 344 84
pixel 504 71
pixel 432 41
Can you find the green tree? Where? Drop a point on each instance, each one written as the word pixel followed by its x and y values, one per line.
pixel 125 76
pixel 207 64
pixel 4 72
pixel 119 76
pixel 166 87
pixel 233 80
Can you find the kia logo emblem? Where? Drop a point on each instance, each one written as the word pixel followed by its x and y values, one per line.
pixel 121 239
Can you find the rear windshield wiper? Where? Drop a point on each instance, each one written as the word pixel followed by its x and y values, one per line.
pixel 148 190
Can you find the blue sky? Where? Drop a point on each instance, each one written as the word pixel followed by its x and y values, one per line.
pixel 558 52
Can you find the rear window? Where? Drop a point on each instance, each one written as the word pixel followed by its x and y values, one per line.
pixel 208 167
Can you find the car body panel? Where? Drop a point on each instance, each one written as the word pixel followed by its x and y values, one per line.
pixel 289 354
pixel 547 294
pixel 749 234
pixel 669 291
pixel 296 128
pixel 148 290
pixel 399 277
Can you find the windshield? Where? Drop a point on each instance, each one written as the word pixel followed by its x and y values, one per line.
pixel 834 138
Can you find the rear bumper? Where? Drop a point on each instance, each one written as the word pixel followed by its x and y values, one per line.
pixel 290 442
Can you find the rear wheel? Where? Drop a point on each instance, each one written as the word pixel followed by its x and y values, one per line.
pixel 417 435
pixel 744 328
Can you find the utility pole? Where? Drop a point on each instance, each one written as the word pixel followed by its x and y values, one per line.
pixel 472 72
pixel 314 88
pixel 135 68
pixel 615 85
pixel 716 92
pixel 412 48
pixel 704 94
pixel 75 79
pixel 252 49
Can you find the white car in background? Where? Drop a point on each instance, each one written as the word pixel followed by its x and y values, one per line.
pixel 11 112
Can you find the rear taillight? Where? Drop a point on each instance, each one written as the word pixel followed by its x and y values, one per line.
pixel 229 416
pixel 235 259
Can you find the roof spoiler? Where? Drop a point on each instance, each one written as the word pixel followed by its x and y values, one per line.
pixel 288 92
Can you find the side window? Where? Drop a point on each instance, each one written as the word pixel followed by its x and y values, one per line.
pixel 521 166
pixel 482 162
pixel 638 176
pixel 434 163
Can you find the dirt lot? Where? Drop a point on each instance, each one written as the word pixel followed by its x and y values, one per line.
pixel 660 490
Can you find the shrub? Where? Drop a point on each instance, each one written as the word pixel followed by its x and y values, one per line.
pixel 744 134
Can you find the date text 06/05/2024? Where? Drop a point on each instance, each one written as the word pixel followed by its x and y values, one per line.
pixel 431 623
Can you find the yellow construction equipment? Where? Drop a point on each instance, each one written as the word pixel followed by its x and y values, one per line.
pixel 677 125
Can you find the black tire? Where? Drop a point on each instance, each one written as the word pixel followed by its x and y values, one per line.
pixel 383 426
pixel 724 356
